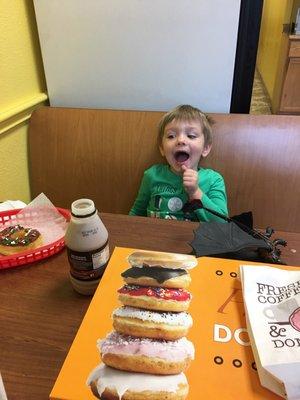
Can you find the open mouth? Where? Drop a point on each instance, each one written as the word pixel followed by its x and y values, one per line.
pixel 181 156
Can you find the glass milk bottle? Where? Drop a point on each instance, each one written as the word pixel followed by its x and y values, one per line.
pixel 87 246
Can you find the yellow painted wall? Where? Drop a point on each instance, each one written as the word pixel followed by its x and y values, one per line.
pixel 22 88
pixel 270 55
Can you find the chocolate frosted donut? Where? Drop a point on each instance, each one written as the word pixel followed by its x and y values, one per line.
pixel 16 239
pixel 151 324
pixel 155 298
pixel 157 276
pixel 151 356
pixel 111 384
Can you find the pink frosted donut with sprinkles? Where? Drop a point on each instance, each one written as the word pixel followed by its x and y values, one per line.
pixel 155 298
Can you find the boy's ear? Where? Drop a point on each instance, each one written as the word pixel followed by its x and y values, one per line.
pixel 206 150
pixel 161 150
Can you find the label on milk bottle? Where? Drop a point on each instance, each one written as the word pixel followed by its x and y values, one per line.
pixel 88 265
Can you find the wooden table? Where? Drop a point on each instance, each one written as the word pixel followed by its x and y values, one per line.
pixel 40 312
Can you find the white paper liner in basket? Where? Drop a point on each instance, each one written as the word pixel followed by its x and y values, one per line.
pixel 42 215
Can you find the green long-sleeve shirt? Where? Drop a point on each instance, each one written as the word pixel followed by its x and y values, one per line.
pixel 162 195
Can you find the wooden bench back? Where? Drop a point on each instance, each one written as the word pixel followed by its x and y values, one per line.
pixel 101 154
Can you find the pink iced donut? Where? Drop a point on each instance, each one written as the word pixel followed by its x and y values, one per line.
pixel 129 353
pixel 295 319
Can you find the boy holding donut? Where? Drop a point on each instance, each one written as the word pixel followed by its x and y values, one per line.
pixel 184 137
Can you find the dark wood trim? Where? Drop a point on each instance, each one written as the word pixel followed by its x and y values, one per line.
pixel 245 59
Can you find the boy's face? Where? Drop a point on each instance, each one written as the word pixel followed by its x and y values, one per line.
pixel 183 144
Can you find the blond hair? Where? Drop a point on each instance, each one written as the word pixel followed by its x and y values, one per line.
pixel 186 112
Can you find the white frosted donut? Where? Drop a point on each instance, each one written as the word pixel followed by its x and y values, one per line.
pixel 111 384
pixel 161 259
pixel 129 353
pixel 155 298
pixel 151 324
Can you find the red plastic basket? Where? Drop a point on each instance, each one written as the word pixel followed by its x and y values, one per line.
pixel 38 254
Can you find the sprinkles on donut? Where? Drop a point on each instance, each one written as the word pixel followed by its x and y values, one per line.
pixel 158 292
pixel 152 324
pixel 155 298
pixel 15 239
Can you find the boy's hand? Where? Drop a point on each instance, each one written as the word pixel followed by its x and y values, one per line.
pixel 190 183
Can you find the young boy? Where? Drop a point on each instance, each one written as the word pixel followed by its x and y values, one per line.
pixel 184 137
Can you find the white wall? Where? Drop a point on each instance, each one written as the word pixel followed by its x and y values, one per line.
pixel 139 54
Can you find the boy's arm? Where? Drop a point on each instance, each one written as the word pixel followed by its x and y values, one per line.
pixel 215 199
pixel 141 202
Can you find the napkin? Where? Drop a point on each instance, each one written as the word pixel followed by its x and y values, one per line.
pixel 11 205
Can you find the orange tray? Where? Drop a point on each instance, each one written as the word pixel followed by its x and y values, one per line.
pixel 29 256
pixel 224 365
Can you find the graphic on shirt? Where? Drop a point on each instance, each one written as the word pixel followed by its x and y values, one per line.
pixel 157 201
pixel 166 206
pixel 160 185
pixel 161 205
pixel 163 188
pixel 175 204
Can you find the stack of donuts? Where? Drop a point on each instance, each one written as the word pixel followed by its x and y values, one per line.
pixel 145 356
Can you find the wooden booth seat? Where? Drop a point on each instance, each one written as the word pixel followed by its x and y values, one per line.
pixel 101 154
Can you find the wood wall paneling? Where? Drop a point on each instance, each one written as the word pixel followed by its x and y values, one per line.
pixel 101 154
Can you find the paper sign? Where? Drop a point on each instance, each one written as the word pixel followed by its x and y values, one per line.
pixel 224 366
